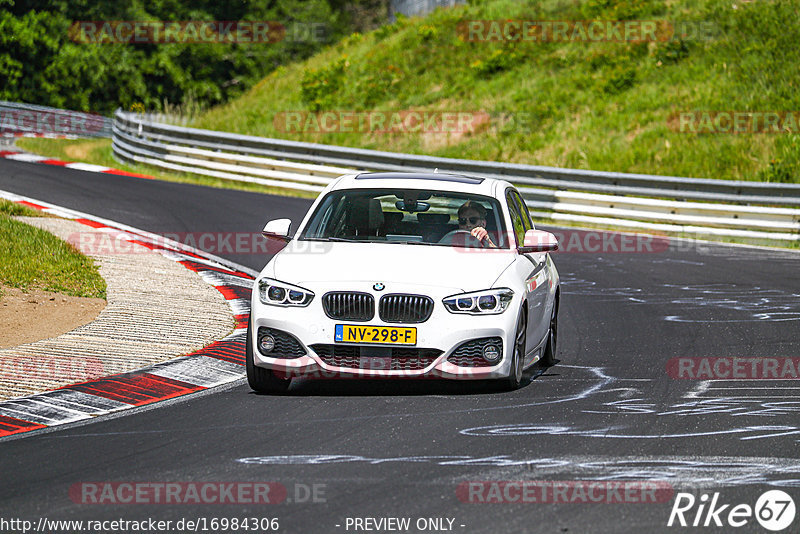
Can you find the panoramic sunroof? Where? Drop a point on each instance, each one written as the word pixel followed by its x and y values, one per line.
pixel 414 176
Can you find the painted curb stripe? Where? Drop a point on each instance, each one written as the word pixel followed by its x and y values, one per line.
pixel 241 320
pixel 32 205
pixel 234 292
pixel 230 349
pixel 86 167
pixel 10 425
pixel 219 363
pixel 24 156
pixel 126 173
pixel 46 135
pixel 137 389
pixel 200 370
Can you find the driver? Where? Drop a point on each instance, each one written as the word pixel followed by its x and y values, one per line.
pixel 472 219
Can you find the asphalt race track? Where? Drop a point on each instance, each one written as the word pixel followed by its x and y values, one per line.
pixel 608 411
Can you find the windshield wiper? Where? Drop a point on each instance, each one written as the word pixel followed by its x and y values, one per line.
pixel 335 239
pixel 415 243
pixel 346 240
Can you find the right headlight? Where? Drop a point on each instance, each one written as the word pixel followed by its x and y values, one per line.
pixel 279 293
pixel 485 302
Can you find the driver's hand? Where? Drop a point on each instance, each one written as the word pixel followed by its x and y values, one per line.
pixel 482 235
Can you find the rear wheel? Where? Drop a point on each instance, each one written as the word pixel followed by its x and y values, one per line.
pixel 260 379
pixel 549 356
pixel 514 378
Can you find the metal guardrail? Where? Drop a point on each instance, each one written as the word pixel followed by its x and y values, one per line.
pixel 18 119
pixel 660 203
pixel 415 8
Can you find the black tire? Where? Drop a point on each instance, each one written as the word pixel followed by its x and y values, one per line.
pixel 514 378
pixel 551 346
pixel 260 379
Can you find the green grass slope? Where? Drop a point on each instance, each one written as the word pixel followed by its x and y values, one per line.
pixel 589 105
pixel 31 258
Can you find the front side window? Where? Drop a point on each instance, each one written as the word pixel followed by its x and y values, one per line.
pixel 516 219
pixel 523 211
pixel 408 216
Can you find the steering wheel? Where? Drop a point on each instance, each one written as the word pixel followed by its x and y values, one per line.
pixel 462 238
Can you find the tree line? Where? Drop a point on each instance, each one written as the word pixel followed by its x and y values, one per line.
pixel 48 56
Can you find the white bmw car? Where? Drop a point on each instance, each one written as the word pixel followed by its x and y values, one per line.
pixel 406 275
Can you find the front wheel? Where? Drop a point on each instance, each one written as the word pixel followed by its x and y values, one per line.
pixel 260 379
pixel 514 378
pixel 549 357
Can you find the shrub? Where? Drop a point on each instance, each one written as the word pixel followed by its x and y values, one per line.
pixel 319 87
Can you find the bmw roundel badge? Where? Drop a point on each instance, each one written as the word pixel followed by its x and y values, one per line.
pixel 378 287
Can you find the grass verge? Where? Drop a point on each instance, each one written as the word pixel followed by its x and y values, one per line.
pixel 31 258
pixel 14 209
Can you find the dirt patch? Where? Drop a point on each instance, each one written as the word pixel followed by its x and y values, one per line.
pixel 33 315
pixel 82 151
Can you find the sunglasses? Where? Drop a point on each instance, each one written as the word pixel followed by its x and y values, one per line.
pixel 472 220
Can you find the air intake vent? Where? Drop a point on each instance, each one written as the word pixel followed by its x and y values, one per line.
pixel 383 358
pixel 405 308
pixel 349 306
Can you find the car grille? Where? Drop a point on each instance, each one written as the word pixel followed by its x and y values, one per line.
pixel 286 346
pixel 349 306
pixel 384 358
pixel 470 354
pixel 405 308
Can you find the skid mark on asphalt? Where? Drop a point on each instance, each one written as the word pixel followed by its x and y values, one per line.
pixel 680 471
pixel 623 432
pixel 597 380
pixel 693 302
pixel 741 398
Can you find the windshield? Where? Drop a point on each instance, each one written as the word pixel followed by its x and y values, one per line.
pixel 410 216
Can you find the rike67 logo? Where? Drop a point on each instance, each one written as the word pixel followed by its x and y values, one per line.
pixel 774 510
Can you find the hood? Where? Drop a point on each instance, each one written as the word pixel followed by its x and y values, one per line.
pixel 457 268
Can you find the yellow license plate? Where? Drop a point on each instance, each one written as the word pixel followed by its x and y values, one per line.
pixel 387 335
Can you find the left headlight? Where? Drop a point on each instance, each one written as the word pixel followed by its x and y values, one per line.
pixel 278 293
pixel 486 302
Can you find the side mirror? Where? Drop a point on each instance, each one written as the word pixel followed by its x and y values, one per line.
pixel 278 229
pixel 538 241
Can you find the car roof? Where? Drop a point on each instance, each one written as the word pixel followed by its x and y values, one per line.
pixel 417 180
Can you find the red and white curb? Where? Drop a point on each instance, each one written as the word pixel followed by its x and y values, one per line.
pixel 216 364
pixel 44 135
pixel 87 167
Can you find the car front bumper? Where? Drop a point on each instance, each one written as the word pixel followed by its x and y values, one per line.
pixel 443 331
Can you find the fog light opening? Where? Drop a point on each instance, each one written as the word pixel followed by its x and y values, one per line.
pixel 266 343
pixel 491 353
